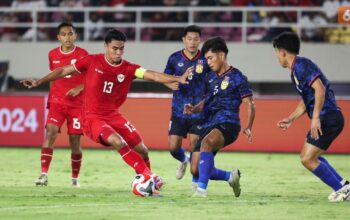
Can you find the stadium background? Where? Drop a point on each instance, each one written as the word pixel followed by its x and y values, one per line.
pixel 27 33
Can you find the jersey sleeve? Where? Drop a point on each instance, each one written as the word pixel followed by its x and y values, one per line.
pixel 244 87
pixel 83 64
pixel 132 70
pixel 169 67
pixel 312 72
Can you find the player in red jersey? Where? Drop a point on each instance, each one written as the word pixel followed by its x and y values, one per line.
pixel 64 103
pixel 107 81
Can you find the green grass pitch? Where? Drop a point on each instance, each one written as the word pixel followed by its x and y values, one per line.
pixel 274 186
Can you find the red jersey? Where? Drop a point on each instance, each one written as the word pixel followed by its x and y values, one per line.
pixel 60 87
pixel 106 85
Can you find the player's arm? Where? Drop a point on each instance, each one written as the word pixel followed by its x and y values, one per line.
pixel 189 109
pixel 250 104
pixel 285 123
pixel 162 77
pixel 320 93
pixel 75 91
pixel 55 74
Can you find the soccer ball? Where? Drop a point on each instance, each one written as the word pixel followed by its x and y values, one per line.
pixel 143 185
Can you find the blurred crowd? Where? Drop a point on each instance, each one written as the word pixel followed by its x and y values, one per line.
pixel 272 23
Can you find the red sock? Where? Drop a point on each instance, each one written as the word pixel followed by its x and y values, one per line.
pixel 133 159
pixel 76 163
pixel 46 157
pixel 147 162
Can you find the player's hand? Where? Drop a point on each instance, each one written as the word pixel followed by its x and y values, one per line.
pixel 247 132
pixel 315 129
pixel 284 124
pixel 173 86
pixel 183 78
pixel 188 109
pixel 29 83
pixel 74 91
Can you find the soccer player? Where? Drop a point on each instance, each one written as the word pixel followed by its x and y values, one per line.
pixel 64 104
pixel 182 124
pixel 319 103
pixel 107 81
pixel 226 89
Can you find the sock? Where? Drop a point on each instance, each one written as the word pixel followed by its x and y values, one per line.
pixel 147 162
pixel 217 174
pixel 206 165
pixel 133 159
pixel 194 179
pixel 335 173
pixel 326 175
pixel 76 163
pixel 46 157
pixel 179 155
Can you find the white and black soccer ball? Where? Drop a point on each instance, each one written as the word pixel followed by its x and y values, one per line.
pixel 143 185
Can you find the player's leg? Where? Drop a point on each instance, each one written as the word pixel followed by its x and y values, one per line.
pixel 332 124
pixel 142 149
pixel 177 131
pixel 212 142
pixel 194 158
pixel 54 121
pixel 74 132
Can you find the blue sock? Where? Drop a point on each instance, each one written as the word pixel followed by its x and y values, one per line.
pixel 326 175
pixel 206 165
pixel 335 173
pixel 179 155
pixel 194 179
pixel 217 174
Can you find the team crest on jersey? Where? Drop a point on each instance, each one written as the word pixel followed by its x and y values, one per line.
pixel 225 82
pixel 120 77
pixel 199 68
pixel 180 64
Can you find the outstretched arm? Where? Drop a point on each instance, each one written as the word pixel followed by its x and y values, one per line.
pixel 249 102
pixel 165 78
pixel 189 109
pixel 75 91
pixel 57 73
pixel 285 123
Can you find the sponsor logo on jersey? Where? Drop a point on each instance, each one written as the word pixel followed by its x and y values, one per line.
pixel 56 61
pixel 99 71
pixel 180 64
pixel 120 77
pixel 225 82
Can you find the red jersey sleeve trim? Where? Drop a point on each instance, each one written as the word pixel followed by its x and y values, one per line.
pixel 76 68
pixel 247 95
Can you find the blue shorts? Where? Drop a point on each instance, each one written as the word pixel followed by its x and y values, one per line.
pixel 229 131
pixel 332 123
pixel 182 126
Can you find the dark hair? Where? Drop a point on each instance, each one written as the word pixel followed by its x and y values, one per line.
pixel 114 34
pixel 215 44
pixel 65 24
pixel 288 41
pixel 192 28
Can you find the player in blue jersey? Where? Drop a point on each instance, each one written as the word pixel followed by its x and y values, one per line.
pixel 226 88
pixel 182 124
pixel 319 103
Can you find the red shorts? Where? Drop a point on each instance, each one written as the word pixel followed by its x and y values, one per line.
pixel 59 113
pixel 100 128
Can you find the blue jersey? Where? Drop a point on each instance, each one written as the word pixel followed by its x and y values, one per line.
pixel 224 96
pixel 304 73
pixel 193 92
